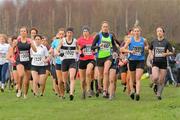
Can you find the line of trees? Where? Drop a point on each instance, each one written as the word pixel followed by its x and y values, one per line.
pixel 49 15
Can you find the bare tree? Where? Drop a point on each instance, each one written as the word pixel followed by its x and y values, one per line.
pixel 49 15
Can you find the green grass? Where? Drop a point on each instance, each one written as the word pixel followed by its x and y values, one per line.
pixel 50 107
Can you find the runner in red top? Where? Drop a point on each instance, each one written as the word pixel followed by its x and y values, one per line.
pixel 86 61
pixel 85 46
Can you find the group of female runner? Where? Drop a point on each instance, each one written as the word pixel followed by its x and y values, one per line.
pixel 97 59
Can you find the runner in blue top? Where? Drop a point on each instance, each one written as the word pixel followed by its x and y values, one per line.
pixel 136 47
pixel 60 35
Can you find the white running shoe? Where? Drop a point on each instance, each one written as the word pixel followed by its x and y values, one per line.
pixel 25 96
pixel 19 94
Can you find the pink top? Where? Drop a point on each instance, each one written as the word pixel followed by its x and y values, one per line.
pixel 88 54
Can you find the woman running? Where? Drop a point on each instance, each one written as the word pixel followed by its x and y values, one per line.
pixel 44 42
pixel 53 74
pixel 9 73
pixel 86 62
pixel 160 48
pixel 12 55
pixel 104 42
pixel 136 47
pixel 33 32
pixel 54 46
pixel 113 75
pixel 68 50
pixel 123 63
pixel 4 47
pixel 23 61
pixel 39 63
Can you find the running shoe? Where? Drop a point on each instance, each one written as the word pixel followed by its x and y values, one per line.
pixel 89 94
pixel 2 89
pixel 71 97
pixel 132 96
pixel 105 94
pixel 25 96
pixel 19 94
pixel 155 89
pixel 159 98
pixel 124 90
pixel 137 97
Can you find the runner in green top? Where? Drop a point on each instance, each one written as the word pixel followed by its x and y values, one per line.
pixel 105 45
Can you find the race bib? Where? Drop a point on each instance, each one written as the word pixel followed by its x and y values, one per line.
pixel 37 58
pixel 159 51
pixel 24 56
pixel 138 50
pixel 2 57
pixel 105 45
pixel 87 50
pixel 69 54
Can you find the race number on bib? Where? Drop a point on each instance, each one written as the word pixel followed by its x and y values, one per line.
pixel 69 54
pixel 37 58
pixel 24 56
pixel 159 51
pixel 105 45
pixel 138 50
pixel 87 50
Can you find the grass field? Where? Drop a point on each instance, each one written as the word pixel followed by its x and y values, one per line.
pixel 50 107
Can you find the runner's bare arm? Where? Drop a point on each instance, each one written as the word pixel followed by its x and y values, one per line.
pixel 33 47
pixel 146 47
pixel 51 51
pixel 59 47
pixel 167 53
pixel 9 55
pixel 78 49
pixel 125 47
pixel 169 50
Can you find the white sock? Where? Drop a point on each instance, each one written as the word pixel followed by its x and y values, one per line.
pixel 3 86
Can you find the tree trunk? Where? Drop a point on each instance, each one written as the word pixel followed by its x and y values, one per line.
pixel 126 19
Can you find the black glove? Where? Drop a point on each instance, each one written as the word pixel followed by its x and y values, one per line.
pixel 81 55
pixel 61 54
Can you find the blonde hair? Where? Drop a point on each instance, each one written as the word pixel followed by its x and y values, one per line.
pixel 4 36
pixel 104 22
pixel 137 27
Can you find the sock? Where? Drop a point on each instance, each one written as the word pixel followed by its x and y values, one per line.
pixel 92 85
pixel 3 86
pixel 96 84
pixel 160 90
